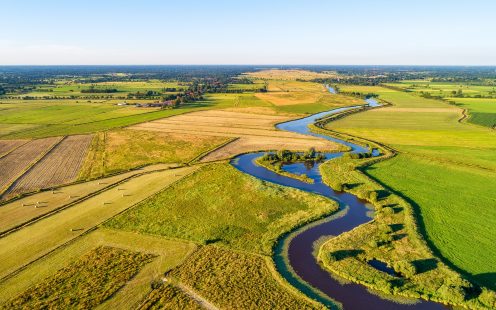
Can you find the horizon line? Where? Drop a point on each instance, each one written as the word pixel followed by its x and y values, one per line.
pixel 248 64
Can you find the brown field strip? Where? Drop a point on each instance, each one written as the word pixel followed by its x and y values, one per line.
pixel 291 98
pixel 60 166
pixel 256 132
pixel 7 146
pixel 18 161
pixel 25 246
pixel 21 211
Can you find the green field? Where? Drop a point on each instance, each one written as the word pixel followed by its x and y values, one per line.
pixel 64 88
pixel 482 111
pixel 445 168
pixel 37 121
pixel 224 206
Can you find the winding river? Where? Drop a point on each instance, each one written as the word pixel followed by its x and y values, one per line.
pixel 294 253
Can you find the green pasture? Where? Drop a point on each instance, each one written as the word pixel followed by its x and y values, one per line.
pixel 481 111
pixel 446 168
pixel 69 88
pixel 224 206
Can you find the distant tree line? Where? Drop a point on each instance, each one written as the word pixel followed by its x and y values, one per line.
pixel 94 90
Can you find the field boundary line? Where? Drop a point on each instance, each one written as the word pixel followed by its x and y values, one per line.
pixel 8 187
pixel 15 148
pixel 216 148
pixel 90 229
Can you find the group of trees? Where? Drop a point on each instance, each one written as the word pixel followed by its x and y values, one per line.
pixel 286 156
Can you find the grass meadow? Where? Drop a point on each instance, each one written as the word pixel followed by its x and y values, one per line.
pixel 237 280
pixel 71 88
pixel 111 152
pixel 226 207
pixel 85 283
pixel 445 168
pixel 482 111
pixel 168 296
pixel 166 254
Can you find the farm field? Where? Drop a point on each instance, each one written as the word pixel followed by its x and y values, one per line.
pixel 303 97
pixel 166 254
pixel 288 74
pixel 17 212
pixel 7 146
pixel 245 213
pixel 212 270
pixel 32 242
pixel 86 282
pixel 60 166
pixel 256 131
pixel 38 121
pixel 459 157
pixel 20 159
pixel 124 207
pixel 110 151
pixel 71 88
pixel 481 111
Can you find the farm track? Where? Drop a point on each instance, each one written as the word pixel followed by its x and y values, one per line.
pixel 19 161
pixel 195 296
pixel 59 166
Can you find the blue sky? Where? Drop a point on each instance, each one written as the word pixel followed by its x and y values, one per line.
pixel 248 32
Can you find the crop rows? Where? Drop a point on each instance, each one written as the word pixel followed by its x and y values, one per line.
pixel 19 160
pixel 7 146
pixel 61 165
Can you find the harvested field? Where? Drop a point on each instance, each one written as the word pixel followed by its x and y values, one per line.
pixel 23 210
pixel 34 241
pixel 60 166
pixel 256 131
pixel 290 74
pixel 18 161
pixel 7 146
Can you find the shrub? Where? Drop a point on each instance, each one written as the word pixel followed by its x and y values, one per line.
pixel 405 268
pixel 373 196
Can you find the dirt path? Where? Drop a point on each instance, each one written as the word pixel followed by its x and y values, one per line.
pixel 195 296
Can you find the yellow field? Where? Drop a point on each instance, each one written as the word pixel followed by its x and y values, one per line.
pixel 256 132
pixel 30 207
pixel 34 241
pixel 275 74
pixel 123 149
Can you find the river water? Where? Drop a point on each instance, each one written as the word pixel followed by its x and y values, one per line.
pixel 296 251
